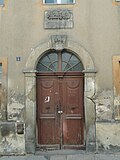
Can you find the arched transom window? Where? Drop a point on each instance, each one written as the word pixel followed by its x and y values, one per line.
pixel 59 61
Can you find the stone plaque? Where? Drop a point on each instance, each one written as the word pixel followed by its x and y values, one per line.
pixel 58 18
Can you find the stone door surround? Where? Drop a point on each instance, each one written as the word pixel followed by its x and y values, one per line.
pixel 30 92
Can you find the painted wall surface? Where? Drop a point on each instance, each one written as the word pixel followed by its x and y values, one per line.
pixel 96 28
pixel 108 136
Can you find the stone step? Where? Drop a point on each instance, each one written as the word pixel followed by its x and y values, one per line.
pixel 86 156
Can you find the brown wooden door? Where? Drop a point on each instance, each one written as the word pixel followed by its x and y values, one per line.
pixel 60 116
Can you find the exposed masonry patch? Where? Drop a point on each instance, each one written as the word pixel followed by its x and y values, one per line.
pixel 117 107
pixel 16 97
pixel 2 104
pixel 104 105
pixel 15 107
pixel 10 141
pixel 15 111
pixel 2 112
pixel 103 101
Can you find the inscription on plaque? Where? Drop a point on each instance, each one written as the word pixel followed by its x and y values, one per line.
pixel 58 18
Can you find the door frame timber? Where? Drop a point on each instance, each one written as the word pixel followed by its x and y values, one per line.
pixel 30 94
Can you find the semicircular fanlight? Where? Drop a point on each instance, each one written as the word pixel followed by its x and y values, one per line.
pixel 63 61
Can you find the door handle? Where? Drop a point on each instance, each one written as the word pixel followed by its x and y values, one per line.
pixel 57 108
pixel 60 112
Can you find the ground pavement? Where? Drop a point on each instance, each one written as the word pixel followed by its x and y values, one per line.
pixel 65 156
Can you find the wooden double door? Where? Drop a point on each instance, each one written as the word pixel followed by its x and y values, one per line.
pixel 60 114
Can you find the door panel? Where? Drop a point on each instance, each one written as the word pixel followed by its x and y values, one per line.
pixel 72 132
pixel 48 123
pixel 47 131
pixel 73 92
pixel 60 116
pixel 73 112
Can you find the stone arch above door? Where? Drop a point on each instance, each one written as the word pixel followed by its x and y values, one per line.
pixel 30 92
pixel 59 61
pixel 83 54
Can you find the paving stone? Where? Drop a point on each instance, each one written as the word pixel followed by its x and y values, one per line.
pixel 82 156
pixel 58 157
pixel 117 157
pixel 75 157
pixel 89 157
pixel 12 158
pixel 104 157
pixel 35 157
pixel 28 157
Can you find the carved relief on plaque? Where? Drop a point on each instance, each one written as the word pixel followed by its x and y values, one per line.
pixel 58 18
pixel 58 42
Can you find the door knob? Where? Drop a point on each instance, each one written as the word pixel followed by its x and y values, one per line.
pixel 60 112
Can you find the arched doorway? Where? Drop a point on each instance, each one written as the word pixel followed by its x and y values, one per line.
pixel 60 101
pixel 30 93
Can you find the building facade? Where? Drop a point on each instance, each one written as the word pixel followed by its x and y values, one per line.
pixel 59 75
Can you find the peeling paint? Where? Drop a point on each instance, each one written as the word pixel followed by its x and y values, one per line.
pixel 117 107
pixel 15 111
pixel 86 44
pixel 15 108
pixel 47 99
pixel 104 105
pixel 2 103
pixel 15 97
pixel 10 142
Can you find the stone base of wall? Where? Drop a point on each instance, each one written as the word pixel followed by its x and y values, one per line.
pixel 12 138
pixel 108 136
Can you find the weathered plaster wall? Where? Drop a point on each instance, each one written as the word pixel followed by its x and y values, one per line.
pixel 108 136
pixel 3 89
pixel 30 104
pixel 16 106
pixel 10 141
pixel 3 112
pixel 96 29
pixel 104 105
pixel 108 109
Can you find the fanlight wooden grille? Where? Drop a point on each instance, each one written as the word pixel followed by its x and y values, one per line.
pixel 62 61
